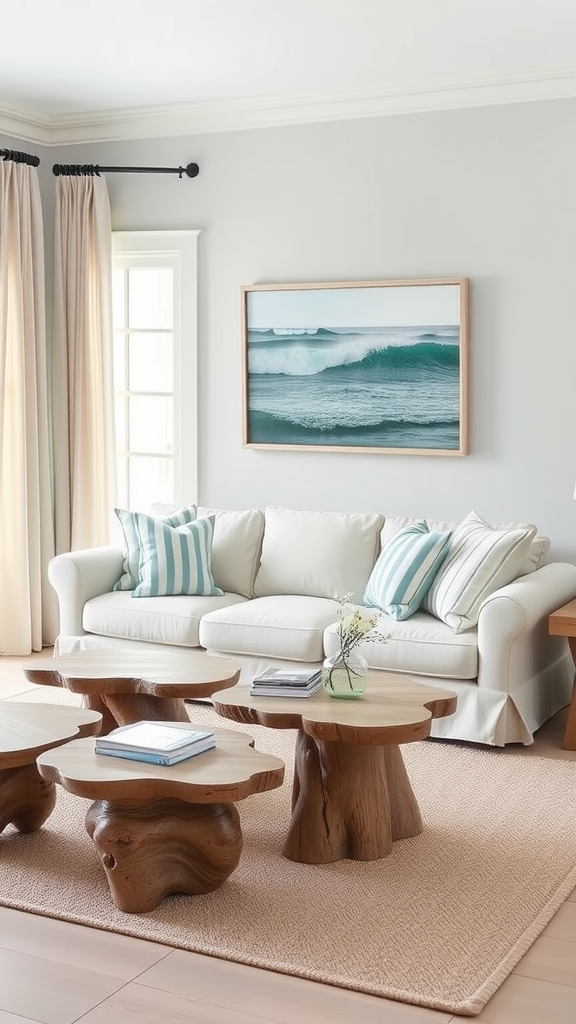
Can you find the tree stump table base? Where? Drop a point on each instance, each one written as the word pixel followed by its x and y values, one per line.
pixel 151 850
pixel 348 802
pixel 26 799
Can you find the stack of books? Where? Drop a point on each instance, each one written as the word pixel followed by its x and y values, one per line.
pixel 286 683
pixel 154 742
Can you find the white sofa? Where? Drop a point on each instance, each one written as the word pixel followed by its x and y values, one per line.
pixel 281 570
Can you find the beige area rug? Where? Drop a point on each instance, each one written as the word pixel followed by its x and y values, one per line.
pixel 439 923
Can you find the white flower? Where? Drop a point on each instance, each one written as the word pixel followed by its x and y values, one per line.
pixel 355 625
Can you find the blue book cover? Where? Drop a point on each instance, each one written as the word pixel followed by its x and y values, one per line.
pixel 162 759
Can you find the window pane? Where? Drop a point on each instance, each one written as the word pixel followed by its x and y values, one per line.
pixel 120 423
pixel 119 360
pixel 151 424
pixel 122 496
pixel 150 480
pixel 150 297
pixel 151 361
pixel 118 297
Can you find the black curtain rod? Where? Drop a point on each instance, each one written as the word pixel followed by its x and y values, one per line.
pixel 20 158
pixel 191 170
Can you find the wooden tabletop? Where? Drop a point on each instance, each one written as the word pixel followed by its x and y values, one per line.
pixel 392 710
pixel 156 673
pixel 562 622
pixel 230 772
pixel 26 730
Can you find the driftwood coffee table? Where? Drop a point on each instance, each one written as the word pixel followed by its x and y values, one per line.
pixel 164 830
pixel 351 797
pixel 26 730
pixel 134 686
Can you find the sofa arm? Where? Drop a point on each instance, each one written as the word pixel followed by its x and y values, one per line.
pixel 513 640
pixel 78 576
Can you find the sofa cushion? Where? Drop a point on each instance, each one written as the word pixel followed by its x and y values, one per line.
pixel 537 551
pixel 174 560
pixel 161 620
pixel 317 554
pixel 405 570
pixel 236 548
pixel 420 645
pixel 480 560
pixel 177 516
pixel 287 627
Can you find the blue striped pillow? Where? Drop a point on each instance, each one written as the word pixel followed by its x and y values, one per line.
pixel 129 577
pixel 406 569
pixel 175 560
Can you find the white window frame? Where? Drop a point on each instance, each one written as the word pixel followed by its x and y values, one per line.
pixel 138 248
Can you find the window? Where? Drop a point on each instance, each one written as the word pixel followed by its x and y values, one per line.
pixel 155 366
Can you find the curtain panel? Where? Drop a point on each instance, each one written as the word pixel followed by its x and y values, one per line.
pixel 28 611
pixel 82 379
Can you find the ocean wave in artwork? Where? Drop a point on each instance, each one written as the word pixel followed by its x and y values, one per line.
pixel 302 353
pixel 392 388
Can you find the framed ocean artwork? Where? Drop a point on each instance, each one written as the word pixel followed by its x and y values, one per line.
pixel 368 366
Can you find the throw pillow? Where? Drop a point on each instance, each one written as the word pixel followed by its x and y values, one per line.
pixel 480 560
pixel 129 577
pixel 175 560
pixel 406 569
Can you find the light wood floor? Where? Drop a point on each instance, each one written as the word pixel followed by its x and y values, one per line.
pixel 52 972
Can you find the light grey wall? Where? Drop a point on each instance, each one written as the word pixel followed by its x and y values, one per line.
pixel 485 193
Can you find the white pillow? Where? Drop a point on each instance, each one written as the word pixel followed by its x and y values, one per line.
pixel 480 560
pixel 317 554
pixel 177 517
pixel 174 560
pixel 405 570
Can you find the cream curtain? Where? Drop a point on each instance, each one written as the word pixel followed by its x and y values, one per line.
pixel 28 613
pixel 82 388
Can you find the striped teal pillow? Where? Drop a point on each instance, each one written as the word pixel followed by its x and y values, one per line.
pixel 480 560
pixel 175 560
pixel 129 577
pixel 405 570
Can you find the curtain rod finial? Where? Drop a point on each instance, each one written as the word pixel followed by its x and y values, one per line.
pixel 192 170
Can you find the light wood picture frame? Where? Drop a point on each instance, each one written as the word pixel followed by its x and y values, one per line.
pixel 357 366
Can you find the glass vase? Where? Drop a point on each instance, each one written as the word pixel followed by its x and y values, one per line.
pixel 345 677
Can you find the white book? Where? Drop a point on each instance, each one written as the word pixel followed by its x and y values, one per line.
pixel 152 738
pixel 285 691
pixel 287 677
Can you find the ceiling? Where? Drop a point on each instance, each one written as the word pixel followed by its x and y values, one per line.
pixel 88 70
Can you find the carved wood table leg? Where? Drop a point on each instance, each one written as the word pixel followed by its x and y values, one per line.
pixel 26 799
pixel 126 708
pixel 94 702
pixel 348 801
pixel 149 850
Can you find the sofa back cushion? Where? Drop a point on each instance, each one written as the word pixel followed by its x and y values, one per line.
pixel 236 548
pixel 317 554
pixel 535 556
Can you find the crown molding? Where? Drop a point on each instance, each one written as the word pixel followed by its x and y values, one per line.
pixel 277 111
